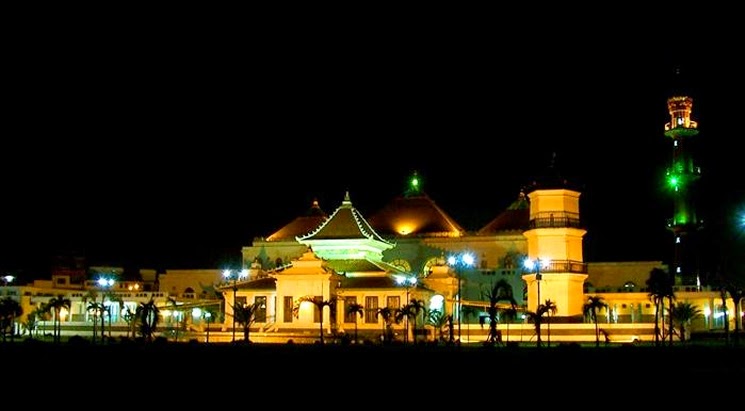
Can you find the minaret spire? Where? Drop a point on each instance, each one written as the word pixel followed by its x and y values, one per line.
pixel 681 178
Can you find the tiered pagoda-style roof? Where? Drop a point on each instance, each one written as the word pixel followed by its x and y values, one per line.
pixel 346 235
pixel 301 225
pixel 345 223
pixel 414 214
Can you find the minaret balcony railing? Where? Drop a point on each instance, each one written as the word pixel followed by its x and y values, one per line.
pixel 559 219
pixel 564 266
pixel 672 126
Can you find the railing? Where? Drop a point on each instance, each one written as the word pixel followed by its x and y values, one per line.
pixel 562 266
pixel 557 219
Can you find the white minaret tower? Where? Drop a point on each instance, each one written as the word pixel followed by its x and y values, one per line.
pixel 555 269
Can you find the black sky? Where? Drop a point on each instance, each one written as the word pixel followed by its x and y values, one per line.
pixel 174 144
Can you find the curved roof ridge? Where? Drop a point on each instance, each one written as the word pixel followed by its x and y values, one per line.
pixel 362 226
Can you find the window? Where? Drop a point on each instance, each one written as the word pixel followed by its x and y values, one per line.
pixel 371 307
pixel 62 281
pixel 287 309
pixel 393 302
pixel 241 301
pixel 349 317
pixel 260 312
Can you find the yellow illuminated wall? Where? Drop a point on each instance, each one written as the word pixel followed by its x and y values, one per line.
pixel 546 201
pixel 556 239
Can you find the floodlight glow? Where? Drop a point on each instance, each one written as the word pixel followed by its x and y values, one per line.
pixel 196 312
pixel 436 302
pixel 451 260
pixel 468 259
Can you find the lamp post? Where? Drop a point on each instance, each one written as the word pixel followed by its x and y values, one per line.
pixel 536 265
pixel 407 282
pixel 207 316
pixel 458 262
pixel 234 276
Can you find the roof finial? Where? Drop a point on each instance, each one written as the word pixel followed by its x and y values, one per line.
pixel 347 201
pixel 414 188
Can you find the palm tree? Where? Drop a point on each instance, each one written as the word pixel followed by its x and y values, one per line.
pixel 40 313
pixel 319 303
pixel 56 304
pixel 500 291
pixel 536 319
pixel 590 309
pixel 682 313
pixel 438 320
pixel 93 307
pixel 355 310
pixel 148 315
pixel 660 287
pixel 737 293
pixel 548 307
pixel 418 307
pixel 468 312
pixel 10 309
pixel 508 314
pixel 174 308
pixel 113 298
pixel 387 314
pixel 245 315
pixel 131 319
pixel 97 309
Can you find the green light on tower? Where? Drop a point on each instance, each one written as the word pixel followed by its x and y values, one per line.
pixel 414 188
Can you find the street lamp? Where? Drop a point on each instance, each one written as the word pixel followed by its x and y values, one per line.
pixel 536 265
pixel 235 276
pixel 458 261
pixel 207 316
pixel 7 279
pixel 407 282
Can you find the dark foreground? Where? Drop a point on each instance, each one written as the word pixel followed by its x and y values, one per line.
pixel 293 374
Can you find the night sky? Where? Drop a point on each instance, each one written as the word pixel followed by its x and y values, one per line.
pixel 157 146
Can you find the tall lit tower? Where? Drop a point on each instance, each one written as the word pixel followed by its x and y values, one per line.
pixel 681 178
pixel 554 237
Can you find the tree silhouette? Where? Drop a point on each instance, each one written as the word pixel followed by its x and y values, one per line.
pixel 590 309
pixel 355 310
pixel 319 304
pixel 660 287
pixel 682 313
pixel 245 315
pixel 56 304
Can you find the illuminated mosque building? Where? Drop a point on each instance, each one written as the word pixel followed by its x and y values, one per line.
pixel 344 273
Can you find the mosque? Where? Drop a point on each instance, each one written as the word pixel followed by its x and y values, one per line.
pixel 410 272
